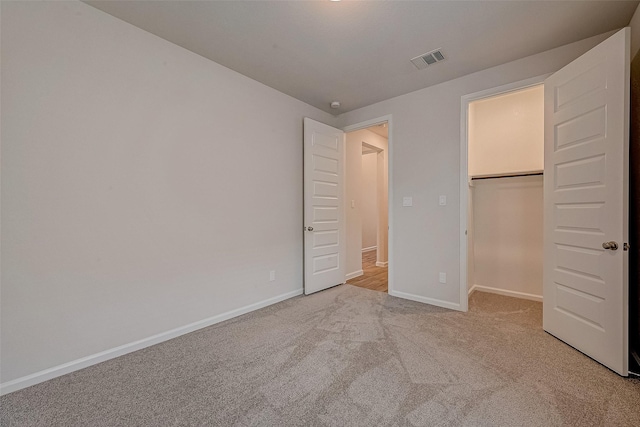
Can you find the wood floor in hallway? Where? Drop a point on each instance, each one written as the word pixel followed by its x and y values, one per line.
pixel 374 278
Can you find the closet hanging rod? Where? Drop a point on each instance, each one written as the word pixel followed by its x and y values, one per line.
pixel 513 175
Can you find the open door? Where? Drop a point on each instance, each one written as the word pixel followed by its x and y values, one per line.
pixel 324 222
pixel 586 203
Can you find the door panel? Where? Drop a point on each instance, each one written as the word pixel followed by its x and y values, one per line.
pixel 585 193
pixel 324 242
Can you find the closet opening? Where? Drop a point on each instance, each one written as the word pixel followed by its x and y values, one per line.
pixel 505 193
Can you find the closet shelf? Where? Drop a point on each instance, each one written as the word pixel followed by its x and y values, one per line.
pixel 508 175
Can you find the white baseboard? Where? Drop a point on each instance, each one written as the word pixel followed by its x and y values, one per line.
pixel 66 368
pixel 369 249
pixel 430 301
pixel 353 275
pixel 382 264
pixel 505 292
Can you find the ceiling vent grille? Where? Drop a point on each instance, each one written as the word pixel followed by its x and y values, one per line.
pixel 423 61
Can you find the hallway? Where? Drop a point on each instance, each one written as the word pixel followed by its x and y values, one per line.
pixel 374 278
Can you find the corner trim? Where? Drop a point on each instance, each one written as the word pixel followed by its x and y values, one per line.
pixel 430 301
pixel 505 292
pixel 84 362
pixel 353 275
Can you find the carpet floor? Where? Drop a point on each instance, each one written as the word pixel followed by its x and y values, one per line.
pixel 345 357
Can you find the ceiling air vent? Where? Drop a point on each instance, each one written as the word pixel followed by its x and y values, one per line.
pixel 426 59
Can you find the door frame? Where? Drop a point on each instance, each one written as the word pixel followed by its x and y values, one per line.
pixel 464 170
pixel 363 125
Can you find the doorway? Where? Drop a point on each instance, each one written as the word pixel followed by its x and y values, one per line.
pixel 505 194
pixel 331 207
pixel 467 254
pixel 366 201
pixel 586 144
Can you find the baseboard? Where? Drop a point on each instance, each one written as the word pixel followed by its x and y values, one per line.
pixel 369 249
pixel 354 275
pixel 84 362
pixel 382 264
pixel 505 292
pixel 430 301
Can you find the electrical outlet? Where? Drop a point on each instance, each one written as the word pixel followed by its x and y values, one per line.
pixel 272 275
pixel 443 277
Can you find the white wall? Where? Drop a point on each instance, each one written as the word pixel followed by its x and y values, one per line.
pixel 143 187
pixel 369 201
pixel 426 164
pixel 506 133
pixel 507 218
pixel 354 192
pixel 382 255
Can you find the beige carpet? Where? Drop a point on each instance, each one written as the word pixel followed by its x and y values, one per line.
pixel 345 357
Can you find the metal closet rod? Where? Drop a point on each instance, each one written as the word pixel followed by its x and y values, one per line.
pixel 512 175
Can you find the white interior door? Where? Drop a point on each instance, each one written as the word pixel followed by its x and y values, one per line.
pixel 586 199
pixel 324 222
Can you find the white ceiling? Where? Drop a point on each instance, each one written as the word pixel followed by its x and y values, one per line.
pixel 359 53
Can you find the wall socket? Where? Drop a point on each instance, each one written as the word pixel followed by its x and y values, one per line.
pixel 443 277
pixel 272 275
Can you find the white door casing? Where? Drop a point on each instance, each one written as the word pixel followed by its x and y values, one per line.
pixel 324 222
pixel 586 203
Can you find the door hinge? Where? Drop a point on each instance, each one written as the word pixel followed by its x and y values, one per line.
pixel 626 246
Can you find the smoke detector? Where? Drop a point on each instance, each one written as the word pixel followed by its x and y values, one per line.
pixel 423 61
pixel 335 104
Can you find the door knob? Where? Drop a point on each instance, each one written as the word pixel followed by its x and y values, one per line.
pixel 610 245
pixel 311 229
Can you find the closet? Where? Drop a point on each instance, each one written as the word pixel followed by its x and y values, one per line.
pixel 506 162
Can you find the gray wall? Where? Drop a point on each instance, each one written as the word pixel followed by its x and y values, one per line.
pixel 425 163
pixel 144 188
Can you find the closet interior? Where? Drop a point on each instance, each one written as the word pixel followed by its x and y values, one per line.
pixel 505 167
